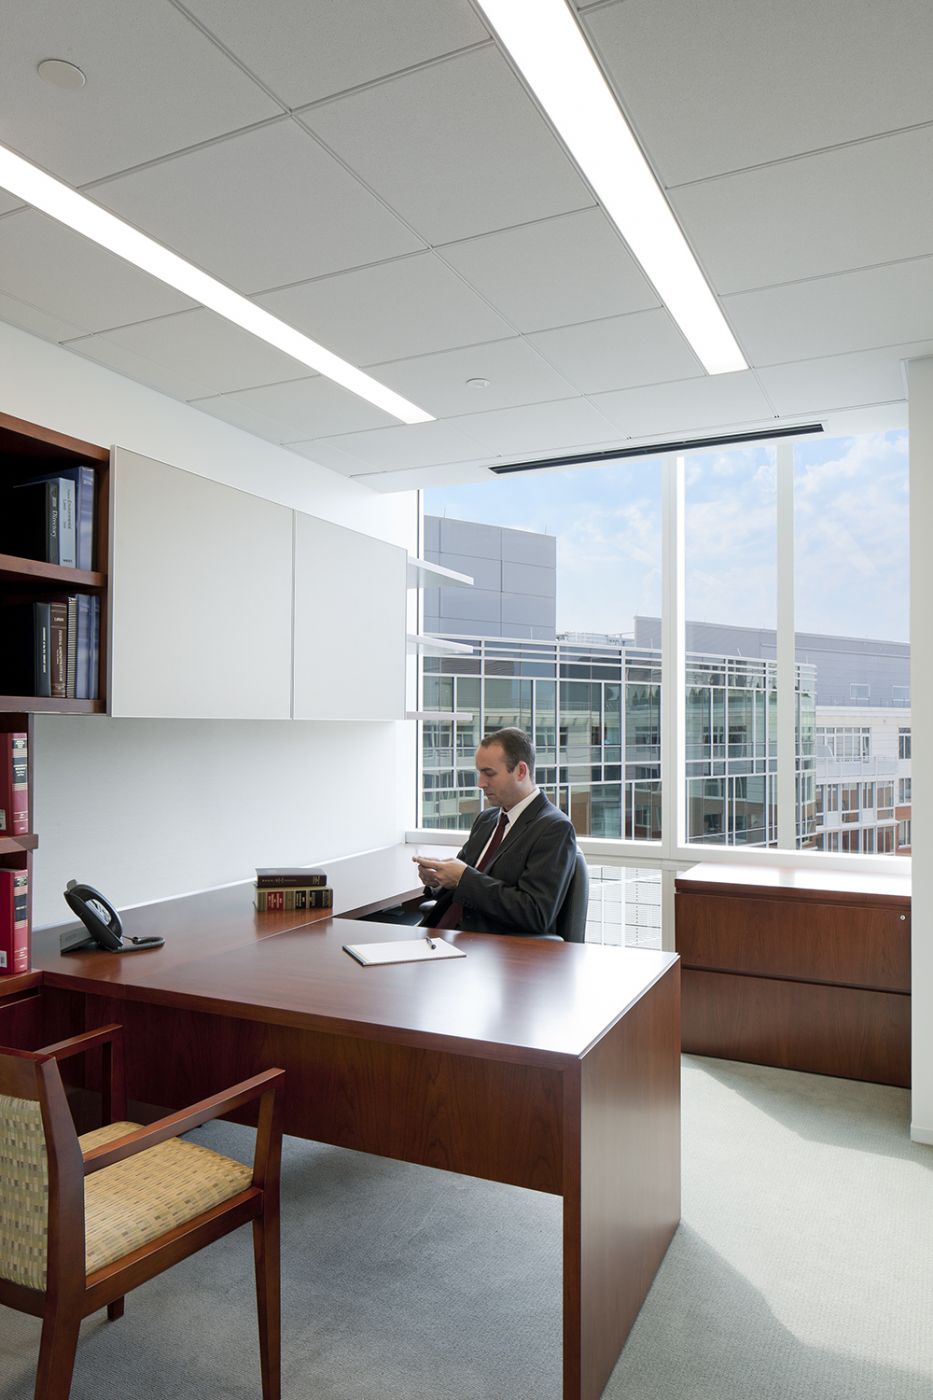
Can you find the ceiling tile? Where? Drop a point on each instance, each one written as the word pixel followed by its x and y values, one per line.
pixel 457 148
pixel 729 85
pixel 240 415
pixel 821 214
pixel 8 203
pixel 541 427
pixel 165 378
pixel 308 49
pixel 261 209
pixel 204 353
pixel 437 383
pixel 708 402
pixel 415 478
pixel 620 352
pixel 833 315
pixel 327 454
pixel 71 279
pixel 30 318
pixel 308 408
pixel 554 272
pixel 415 445
pixel 410 306
pixel 154 83
pixel 841 381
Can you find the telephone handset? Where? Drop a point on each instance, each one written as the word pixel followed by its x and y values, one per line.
pixel 102 921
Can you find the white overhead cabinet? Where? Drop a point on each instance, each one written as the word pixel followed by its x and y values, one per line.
pixel 350 613
pixel 200 598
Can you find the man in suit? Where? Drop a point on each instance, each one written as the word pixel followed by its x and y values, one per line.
pixel 513 874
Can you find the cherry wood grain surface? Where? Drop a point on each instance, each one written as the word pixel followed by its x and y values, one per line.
pixel 547 1065
pixel 797 969
pixel 843 944
pixel 843 1031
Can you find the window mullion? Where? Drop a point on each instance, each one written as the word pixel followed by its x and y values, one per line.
pixel 786 653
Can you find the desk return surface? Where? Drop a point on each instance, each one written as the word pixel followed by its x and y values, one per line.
pixel 803 970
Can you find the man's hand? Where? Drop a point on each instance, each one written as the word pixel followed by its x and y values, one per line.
pixel 445 873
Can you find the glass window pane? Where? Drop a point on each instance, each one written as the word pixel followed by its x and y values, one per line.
pixel 851 590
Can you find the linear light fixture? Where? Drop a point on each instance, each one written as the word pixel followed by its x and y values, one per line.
pixel 549 49
pixel 660 449
pixel 61 202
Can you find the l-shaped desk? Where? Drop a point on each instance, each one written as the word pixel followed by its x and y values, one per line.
pixel 547 1065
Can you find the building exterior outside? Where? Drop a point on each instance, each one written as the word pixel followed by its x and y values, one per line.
pixel 593 705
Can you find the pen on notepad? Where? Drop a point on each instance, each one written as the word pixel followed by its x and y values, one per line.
pixel 430 941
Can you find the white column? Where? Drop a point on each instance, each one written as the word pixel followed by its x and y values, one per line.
pixel 920 395
pixel 786 653
pixel 673 672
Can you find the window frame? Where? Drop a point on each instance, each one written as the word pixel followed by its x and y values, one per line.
pixel 672 852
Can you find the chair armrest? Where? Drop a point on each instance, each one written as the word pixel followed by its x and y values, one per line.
pixel 78 1044
pixel 260 1086
pixel 113 1083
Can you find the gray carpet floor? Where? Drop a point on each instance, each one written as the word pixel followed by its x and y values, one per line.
pixel 803 1268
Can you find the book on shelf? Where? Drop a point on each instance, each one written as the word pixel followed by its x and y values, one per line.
pixel 294 897
pixel 14 922
pixel 58 641
pixel 14 784
pixel 271 877
pixel 42 520
pixel 51 648
pixel 84 483
pixel 94 667
pixel 71 655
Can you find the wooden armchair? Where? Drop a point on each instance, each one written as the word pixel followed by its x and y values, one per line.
pixel 85 1220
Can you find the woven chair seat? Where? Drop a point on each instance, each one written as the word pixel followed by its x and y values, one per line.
pixel 134 1202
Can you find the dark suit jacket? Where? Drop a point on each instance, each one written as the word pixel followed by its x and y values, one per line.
pixel 524 885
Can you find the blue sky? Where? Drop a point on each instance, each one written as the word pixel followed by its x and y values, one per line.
pixel 851 535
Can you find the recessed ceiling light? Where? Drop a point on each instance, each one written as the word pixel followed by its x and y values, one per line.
pixel 61 202
pixel 477 383
pixel 549 50
pixel 61 74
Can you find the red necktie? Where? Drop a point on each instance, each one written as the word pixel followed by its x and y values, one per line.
pixel 452 914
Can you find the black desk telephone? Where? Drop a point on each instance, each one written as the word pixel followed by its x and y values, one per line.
pixel 102 922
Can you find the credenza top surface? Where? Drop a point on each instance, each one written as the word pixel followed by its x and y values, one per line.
pixel 777 880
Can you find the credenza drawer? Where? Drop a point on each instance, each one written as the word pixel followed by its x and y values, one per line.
pixel 847 945
pixel 844 1031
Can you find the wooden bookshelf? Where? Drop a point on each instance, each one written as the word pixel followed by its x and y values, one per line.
pixel 28 450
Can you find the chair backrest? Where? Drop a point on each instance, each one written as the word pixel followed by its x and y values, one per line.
pixel 571 921
pixel 29 1161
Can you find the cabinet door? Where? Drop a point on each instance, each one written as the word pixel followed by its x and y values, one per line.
pixel 350 608
pixel 200 587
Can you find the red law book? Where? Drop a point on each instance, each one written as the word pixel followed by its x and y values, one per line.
pixel 14 922
pixel 14 785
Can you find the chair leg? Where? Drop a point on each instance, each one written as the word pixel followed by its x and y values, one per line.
pixel 115 1309
pixel 56 1356
pixel 266 1257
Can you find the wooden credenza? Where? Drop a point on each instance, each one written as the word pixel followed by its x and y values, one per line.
pixel 800 970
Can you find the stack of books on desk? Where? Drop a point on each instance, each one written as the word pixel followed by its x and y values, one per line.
pixel 284 887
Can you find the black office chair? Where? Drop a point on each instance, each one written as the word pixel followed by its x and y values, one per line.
pixel 570 924
pixel 571 921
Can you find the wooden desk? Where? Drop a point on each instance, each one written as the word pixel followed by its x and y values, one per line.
pixel 798 969
pixel 547 1065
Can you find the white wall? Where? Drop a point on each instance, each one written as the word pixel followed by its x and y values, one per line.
pixel 920 377
pixel 146 809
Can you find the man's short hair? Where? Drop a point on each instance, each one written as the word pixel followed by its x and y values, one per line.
pixel 516 746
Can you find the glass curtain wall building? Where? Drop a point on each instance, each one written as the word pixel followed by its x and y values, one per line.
pixel 594 710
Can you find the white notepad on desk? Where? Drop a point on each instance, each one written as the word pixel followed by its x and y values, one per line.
pixel 402 950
